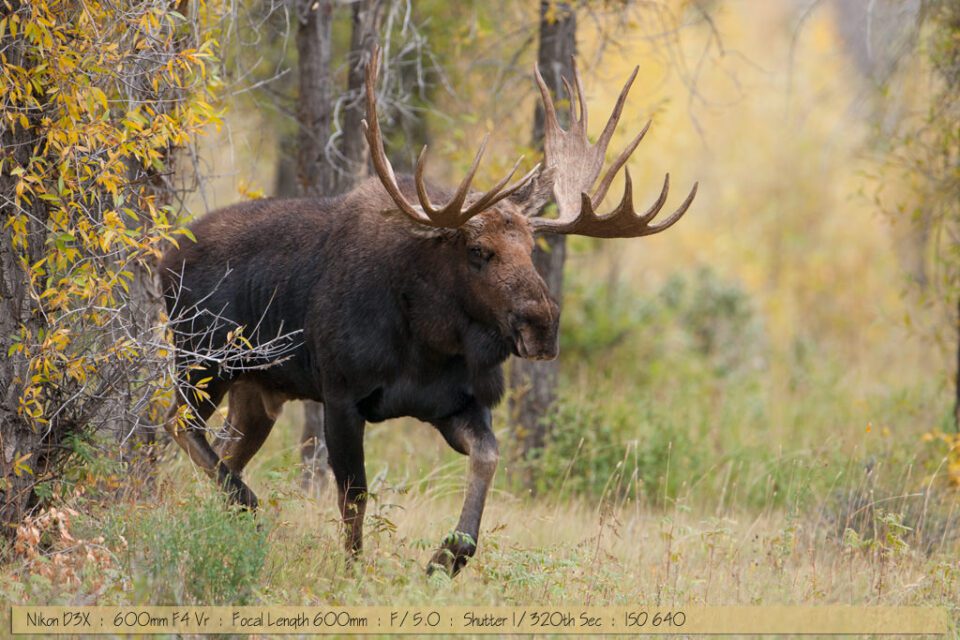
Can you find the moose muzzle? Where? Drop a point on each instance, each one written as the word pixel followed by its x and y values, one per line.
pixel 536 334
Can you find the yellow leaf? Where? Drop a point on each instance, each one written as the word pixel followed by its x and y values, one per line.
pixel 100 97
pixel 20 467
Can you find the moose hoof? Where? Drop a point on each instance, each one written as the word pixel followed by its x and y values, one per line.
pixel 240 494
pixel 453 554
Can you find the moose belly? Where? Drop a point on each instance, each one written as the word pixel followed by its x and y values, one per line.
pixel 428 401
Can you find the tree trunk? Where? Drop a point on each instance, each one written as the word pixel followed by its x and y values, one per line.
pixel 534 383
pixel 139 445
pixel 316 177
pixel 285 180
pixel 328 176
pixel 25 451
pixel 20 443
pixel 367 19
pixel 315 101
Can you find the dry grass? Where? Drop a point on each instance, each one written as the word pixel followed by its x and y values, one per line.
pixel 533 550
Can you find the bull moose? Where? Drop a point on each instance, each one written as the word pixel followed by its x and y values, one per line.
pixel 402 307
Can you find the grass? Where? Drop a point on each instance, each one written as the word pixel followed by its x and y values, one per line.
pixel 531 551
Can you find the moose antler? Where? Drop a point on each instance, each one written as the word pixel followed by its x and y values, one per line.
pixel 578 163
pixel 450 215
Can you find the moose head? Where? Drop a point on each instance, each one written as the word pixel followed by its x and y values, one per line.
pixel 495 229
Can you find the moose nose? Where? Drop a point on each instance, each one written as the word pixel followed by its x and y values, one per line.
pixel 535 330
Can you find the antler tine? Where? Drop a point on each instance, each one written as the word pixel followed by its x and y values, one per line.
pixel 658 203
pixel 418 181
pixel 611 125
pixel 575 96
pixel 371 131
pixel 456 204
pixel 549 111
pixel 450 215
pixel 519 184
pixel 581 95
pixel 625 208
pixel 494 193
pixel 571 96
pixel 611 173
pixel 676 215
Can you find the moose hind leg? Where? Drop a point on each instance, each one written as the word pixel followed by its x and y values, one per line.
pixel 250 418
pixel 470 433
pixel 344 429
pixel 193 440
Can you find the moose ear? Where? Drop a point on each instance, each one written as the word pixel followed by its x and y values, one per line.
pixel 534 195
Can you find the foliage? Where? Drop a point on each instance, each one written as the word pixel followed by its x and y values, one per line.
pixel 695 331
pixel 719 320
pixel 698 314
pixel 200 552
pixel 96 98
pixel 924 156
pixel 620 452
pixel 55 557
pixel 946 453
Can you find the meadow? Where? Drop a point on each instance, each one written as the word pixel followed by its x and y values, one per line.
pixel 755 407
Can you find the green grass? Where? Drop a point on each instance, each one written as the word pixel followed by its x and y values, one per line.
pixel 194 550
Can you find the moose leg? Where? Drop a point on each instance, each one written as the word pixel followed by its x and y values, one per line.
pixel 193 440
pixel 249 421
pixel 470 433
pixel 344 429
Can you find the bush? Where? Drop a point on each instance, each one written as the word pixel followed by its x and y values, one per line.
pixel 698 316
pixel 616 450
pixel 200 553
pixel 598 317
pixel 718 318
pixel 675 369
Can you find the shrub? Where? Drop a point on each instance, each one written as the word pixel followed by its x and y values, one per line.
pixel 698 316
pixel 615 450
pixel 718 318
pixel 199 553
pixel 97 97
pixel 673 369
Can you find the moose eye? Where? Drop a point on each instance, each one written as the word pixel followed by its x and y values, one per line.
pixel 479 256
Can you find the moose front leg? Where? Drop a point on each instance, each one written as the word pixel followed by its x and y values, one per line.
pixel 470 433
pixel 344 431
